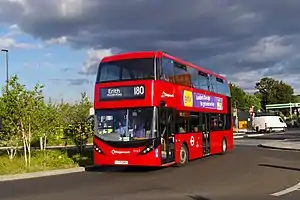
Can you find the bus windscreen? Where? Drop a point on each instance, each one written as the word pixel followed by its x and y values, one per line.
pixel 125 70
pixel 125 124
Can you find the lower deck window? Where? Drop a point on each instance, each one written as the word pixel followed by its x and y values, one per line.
pixel 197 122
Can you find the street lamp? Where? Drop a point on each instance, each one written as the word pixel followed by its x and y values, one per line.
pixel 6 64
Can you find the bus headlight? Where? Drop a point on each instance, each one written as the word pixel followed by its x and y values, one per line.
pixel 147 149
pixel 97 149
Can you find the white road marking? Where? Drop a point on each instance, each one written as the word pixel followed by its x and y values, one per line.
pixel 235 137
pixel 256 135
pixel 287 190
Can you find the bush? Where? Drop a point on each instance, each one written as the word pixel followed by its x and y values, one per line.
pixel 41 161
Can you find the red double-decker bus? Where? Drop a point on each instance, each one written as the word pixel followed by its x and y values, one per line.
pixel 152 109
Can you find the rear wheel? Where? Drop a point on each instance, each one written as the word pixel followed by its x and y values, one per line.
pixel 224 146
pixel 184 155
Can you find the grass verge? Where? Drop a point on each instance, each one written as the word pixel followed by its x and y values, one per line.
pixel 44 161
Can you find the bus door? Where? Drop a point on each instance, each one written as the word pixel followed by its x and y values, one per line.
pixel 166 129
pixel 206 122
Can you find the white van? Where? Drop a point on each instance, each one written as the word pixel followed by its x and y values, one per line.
pixel 269 124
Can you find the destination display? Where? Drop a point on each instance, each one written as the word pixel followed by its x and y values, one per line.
pixel 198 100
pixel 122 92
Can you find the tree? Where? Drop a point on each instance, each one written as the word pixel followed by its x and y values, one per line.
pixel 48 120
pixel 296 98
pixel 273 91
pixel 79 128
pixel 242 100
pixel 252 100
pixel 10 135
pixel 21 108
pixel 238 96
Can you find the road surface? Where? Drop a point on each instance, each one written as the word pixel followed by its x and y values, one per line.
pixel 248 173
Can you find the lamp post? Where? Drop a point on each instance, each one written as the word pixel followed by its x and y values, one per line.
pixel 6 65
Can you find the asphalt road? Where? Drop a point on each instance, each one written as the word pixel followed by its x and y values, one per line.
pixel 246 173
pixel 255 140
pixel 290 134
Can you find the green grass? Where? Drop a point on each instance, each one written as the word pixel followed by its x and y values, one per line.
pixel 44 161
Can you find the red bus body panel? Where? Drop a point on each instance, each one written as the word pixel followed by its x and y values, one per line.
pixel 154 94
pixel 130 155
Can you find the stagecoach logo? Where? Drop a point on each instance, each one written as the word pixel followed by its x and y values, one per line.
pixel 112 92
pixel 164 94
pixel 119 152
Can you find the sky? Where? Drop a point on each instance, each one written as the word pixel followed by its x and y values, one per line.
pixel 60 43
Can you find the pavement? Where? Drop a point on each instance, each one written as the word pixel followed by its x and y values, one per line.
pixel 282 145
pixel 289 140
pixel 248 173
pixel 41 174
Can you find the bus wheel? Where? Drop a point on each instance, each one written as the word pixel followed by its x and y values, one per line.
pixel 224 146
pixel 284 129
pixel 257 129
pixel 184 155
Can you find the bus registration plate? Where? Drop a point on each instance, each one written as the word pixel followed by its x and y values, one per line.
pixel 121 162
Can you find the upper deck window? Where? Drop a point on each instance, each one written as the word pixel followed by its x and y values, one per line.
pixel 221 86
pixel 123 70
pixel 181 74
pixel 175 72
pixel 203 81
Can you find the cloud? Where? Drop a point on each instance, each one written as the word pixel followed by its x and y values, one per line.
pixel 7 40
pixel 232 37
pixel 59 40
pixel 247 79
pixel 93 59
pixel 14 30
pixel 8 43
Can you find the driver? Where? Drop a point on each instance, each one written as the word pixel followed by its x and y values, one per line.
pixel 121 129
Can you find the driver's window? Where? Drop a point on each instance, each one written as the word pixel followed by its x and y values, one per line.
pixel 281 120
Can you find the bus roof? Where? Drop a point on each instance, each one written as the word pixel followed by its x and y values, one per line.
pixel 159 54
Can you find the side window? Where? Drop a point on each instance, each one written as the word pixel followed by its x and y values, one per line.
pixel 222 87
pixel 182 76
pixel 167 70
pixel 213 83
pixel 227 89
pixel 202 122
pixel 203 81
pixel 182 122
pixel 218 122
pixel 228 121
pixel 195 125
pixel 194 76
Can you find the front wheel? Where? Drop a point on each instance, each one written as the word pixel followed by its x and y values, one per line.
pixel 184 155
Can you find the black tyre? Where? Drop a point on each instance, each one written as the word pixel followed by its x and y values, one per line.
pixel 184 155
pixel 224 146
